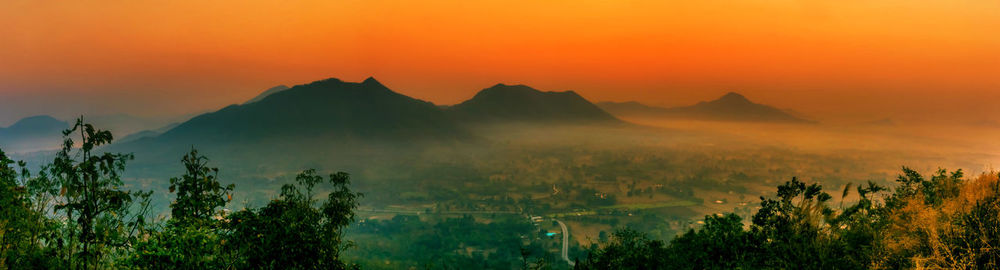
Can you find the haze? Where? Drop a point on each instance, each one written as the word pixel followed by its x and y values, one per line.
pixel 832 60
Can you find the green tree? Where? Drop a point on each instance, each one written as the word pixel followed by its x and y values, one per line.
pixel 628 249
pixel 192 238
pixel 199 193
pixel 295 231
pixel 94 199
pixel 721 244
pixel 17 239
pixel 795 228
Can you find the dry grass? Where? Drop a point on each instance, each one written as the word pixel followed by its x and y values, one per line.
pixel 917 227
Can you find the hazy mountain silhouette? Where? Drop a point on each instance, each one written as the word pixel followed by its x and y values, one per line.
pixel 730 107
pixel 522 104
pixel 328 110
pixel 267 93
pixel 146 133
pixel 125 124
pixel 32 134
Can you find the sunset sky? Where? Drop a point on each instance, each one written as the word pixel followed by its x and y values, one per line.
pixel 836 59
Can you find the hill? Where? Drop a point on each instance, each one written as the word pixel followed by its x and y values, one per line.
pixel 730 107
pixel 32 134
pixel 522 104
pixel 123 124
pixel 149 133
pixel 267 93
pixel 323 110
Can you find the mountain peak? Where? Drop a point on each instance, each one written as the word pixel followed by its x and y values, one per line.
pixel 730 107
pixel 32 134
pixel 268 92
pixel 734 97
pixel 513 103
pixel 38 120
pixel 371 80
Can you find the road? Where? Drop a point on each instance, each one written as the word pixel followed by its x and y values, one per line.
pixel 565 242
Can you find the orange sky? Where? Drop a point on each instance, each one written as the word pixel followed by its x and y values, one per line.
pixel 846 59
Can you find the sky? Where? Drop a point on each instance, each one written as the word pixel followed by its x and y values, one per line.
pixel 841 60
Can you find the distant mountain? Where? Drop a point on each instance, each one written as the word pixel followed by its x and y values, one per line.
pixel 124 124
pixel 267 93
pixel 730 107
pixel 329 110
pixel 32 134
pixel 523 104
pixel 146 134
pixel 138 135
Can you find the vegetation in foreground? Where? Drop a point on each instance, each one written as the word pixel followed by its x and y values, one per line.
pixel 77 214
pixel 941 222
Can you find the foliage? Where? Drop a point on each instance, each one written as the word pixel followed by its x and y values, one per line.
pixel 180 247
pixel 23 226
pixel 94 199
pixel 96 222
pixel 291 232
pixel 199 192
pixel 76 213
pixel 941 222
pixel 628 249
pixel 720 244
pixel 192 238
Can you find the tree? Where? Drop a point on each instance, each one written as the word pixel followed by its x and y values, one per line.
pixel 199 192
pixel 20 226
pixel 721 244
pixel 795 228
pixel 93 197
pixel 628 249
pixel 192 238
pixel 291 231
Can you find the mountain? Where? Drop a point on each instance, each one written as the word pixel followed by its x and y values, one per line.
pixel 730 107
pixel 519 103
pixel 122 124
pixel 146 133
pixel 324 110
pixel 267 93
pixel 33 134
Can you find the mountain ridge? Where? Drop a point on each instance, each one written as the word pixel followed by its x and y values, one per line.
pixel 731 107
pixel 522 103
pixel 40 132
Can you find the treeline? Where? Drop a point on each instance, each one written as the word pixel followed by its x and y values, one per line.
pixel 941 222
pixel 75 213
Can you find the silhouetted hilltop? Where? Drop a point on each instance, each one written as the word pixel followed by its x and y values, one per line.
pixel 328 109
pixel 730 107
pixel 267 93
pixel 32 134
pixel 520 103
pixel 146 133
